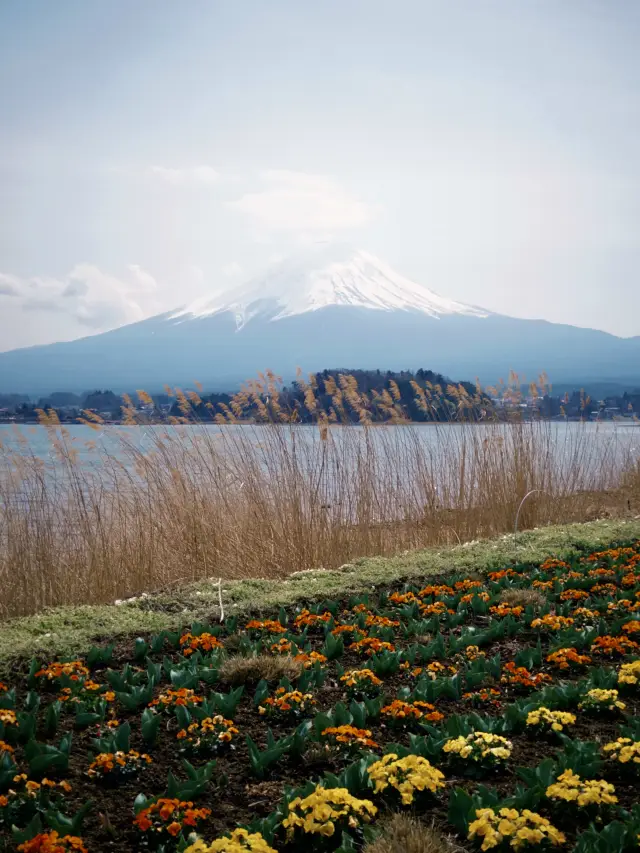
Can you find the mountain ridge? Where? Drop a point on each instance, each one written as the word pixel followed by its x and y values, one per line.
pixel 351 309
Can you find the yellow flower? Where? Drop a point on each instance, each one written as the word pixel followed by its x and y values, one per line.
pixel 240 841
pixel 624 750
pixel 602 700
pixel 520 828
pixel 406 775
pixel 545 719
pixel 585 792
pixel 318 813
pixel 629 673
pixel 479 747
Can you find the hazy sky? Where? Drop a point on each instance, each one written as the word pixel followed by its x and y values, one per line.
pixel 152 151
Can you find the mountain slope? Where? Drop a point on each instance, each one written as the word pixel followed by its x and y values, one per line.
pixel 325 310
pixel 325 275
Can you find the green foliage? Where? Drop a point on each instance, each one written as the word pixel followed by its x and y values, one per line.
pixel 615 837
pixel 226 703
pixel 385 663
pixel 149 725
pixel 198 780
pixel 261 760
pixel 583 757
pixel 333 647
pixel 44 758
pixel 100 655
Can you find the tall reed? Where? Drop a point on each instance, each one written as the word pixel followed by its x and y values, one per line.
pixel 266 499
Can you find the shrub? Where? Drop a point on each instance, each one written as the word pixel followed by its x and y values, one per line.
pixel 405 834
pixel 237 670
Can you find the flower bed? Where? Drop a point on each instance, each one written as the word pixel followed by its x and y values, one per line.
pixel 506 709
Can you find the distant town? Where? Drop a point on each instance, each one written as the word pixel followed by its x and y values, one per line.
pixel 381 393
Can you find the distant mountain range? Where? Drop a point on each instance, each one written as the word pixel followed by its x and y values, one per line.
pixel 331 306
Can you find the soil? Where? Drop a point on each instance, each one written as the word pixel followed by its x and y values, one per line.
pixel 236 797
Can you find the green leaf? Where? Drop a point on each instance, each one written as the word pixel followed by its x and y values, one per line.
pixel 140 649
pixel 52 718
pixel 140 803
pixel 149 724
pixel 122 735
pixel 460 807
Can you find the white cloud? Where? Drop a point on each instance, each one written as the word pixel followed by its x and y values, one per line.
pixel 92 298
pixel 297 201
pixel 206 175
pixel 9 285
pixel 231 270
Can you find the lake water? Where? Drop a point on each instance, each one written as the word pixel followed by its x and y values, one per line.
pixel 113 442
pixel 411 465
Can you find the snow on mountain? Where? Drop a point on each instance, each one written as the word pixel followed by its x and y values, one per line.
pixel 325 275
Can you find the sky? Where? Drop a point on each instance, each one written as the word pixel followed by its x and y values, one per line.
pixel 154 152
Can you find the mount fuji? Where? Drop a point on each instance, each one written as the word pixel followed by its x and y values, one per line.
pixel 329 307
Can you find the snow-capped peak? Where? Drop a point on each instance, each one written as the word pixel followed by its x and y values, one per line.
pixel 323 276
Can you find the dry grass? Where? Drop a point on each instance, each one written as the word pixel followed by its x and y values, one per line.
pixel 404 834
pixel 523 597
pixel 238 670
pixel 263 501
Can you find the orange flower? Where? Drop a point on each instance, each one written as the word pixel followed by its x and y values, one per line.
pixel 269 626
pixel 203 642
pixel 604 589
pixel 169 815
pixel 403 598
pixel 184 697
pixel 371 646
pixel 400 711
pixel 551 622
pixel 51 842
pixel 614 646
pixel 568 658
pixel 468 598
pixel 552 563
pixel 574 595
pixel 167 809
pixel 503 610
pixel 142 822
pixel 466 585
pixel 306 619
pixel 73 669
pixel 435 609
pixel 309 658
pixel 381 621
pixel 504 573
pixel 435 590
pixel 350 736
pixel 519 676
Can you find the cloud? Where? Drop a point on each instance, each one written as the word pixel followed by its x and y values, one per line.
pixel 205 175
pixel 92 298
pixel 297 201
pixel 9 285
pixel 231 270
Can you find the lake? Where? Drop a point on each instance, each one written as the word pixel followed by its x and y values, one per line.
pixel 592 442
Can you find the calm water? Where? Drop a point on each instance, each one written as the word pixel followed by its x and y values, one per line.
pixel 92 446
pixel 597 452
